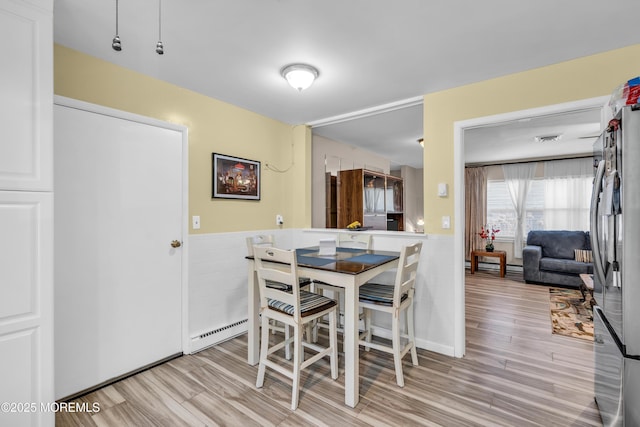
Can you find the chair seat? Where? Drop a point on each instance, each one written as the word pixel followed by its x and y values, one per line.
pixel 310 303
pixel 378 294
pixel 284 287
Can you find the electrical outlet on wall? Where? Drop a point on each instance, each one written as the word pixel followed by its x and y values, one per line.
pixel 279 220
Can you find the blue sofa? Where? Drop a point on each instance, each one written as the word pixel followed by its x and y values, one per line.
pixel 549 257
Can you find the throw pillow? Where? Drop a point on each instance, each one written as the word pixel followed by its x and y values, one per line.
pixel 583 255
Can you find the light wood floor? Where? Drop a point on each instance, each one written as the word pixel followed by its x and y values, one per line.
pixel 514 373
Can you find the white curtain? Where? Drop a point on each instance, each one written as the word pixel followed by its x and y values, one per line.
pixel 518 178
pixel 567 194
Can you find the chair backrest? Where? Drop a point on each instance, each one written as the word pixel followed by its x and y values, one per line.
pixel 260 240
pixel 354 240
pixel 406 274
pixel 277 265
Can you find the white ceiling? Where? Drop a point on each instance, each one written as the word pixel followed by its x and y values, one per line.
pixel 515 140
pixel 368 52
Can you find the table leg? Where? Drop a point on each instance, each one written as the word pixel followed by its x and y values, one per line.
pixel 474 263
pixel 503 265
pixel 253 327
pixel 350 345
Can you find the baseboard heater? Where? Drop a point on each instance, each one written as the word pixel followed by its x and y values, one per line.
pixel 215 336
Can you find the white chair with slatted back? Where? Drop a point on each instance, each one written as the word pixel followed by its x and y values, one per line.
pixel 344 240
pixel 295 308
pixel 394 299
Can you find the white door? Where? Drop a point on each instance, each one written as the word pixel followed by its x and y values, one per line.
pixel 118 207
pixel 26 213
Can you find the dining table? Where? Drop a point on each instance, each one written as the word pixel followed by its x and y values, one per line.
pixel 348 268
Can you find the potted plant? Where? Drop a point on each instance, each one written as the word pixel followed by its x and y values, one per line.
pixel 488 233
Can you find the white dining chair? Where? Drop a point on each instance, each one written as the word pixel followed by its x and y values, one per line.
pixel 295 308
pixel 394 299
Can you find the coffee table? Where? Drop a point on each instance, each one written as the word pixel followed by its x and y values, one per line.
pixel 501 255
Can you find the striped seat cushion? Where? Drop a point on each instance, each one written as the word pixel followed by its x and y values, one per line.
pixel 378 294
pixel 284 287
pixel 310 303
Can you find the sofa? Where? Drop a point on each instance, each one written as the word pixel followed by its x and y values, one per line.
pixel 550 257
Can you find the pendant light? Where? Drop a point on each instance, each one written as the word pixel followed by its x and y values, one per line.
pixel 159 45
pixel 115 43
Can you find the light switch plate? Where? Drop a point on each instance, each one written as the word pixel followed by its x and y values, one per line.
pixel 446 222
pixel 442 189
pixel 195 222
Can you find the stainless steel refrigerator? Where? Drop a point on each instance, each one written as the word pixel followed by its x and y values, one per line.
pixel 615 240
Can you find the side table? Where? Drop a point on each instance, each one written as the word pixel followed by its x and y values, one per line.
pixel 502 255
pixel 587 286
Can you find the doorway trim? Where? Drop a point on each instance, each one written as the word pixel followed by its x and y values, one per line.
pixel 458 170
pixel 111 112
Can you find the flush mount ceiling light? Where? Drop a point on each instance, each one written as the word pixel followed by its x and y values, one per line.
pixel 299 76
pixel 548 138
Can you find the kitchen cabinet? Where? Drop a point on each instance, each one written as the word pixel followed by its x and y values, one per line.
pixel 372 198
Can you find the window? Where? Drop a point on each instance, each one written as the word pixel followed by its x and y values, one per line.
pixel 552 204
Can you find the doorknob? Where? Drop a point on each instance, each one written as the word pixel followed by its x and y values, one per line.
pixel 176 244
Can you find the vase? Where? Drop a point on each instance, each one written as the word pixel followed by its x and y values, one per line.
pixel 489 247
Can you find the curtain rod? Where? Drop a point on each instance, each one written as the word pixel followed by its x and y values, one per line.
pixel 475 165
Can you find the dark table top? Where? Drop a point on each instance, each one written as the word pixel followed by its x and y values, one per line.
pixel 346 260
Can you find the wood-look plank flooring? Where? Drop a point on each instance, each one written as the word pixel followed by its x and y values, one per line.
pixel 514 373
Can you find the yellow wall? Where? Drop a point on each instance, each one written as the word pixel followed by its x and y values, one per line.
pixel 582 78
pixel 214 126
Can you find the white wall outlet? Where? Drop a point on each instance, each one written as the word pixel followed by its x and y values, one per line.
pixel 195 222
pixel 279 220
pixel 446 222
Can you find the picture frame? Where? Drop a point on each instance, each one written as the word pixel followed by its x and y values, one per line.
pixel 235 177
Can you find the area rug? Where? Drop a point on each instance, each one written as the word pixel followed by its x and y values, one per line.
pixel 570 316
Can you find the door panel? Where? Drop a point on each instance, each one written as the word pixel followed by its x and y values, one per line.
pixel 118 207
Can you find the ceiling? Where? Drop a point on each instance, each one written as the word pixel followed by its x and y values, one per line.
pixel 515 140
pixel 369 52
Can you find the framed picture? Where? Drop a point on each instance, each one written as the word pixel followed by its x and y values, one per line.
pixel 235 178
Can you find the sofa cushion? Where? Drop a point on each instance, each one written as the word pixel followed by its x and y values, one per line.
pixel 565 266
pixel 558 243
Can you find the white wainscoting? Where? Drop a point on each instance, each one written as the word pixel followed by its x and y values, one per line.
pixel 218 284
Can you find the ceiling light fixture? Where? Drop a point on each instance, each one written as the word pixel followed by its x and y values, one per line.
pixel 548 138
pixel 421 142
pixel 159 45
pixel 115 43
pixel 300 76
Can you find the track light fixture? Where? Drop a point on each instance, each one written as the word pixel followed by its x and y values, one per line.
pixel 159 45
pixel 115 43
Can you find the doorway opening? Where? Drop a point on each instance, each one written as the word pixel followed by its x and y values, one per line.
pixel 459 202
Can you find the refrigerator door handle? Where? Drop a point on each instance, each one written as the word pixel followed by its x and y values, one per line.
pixel 598 268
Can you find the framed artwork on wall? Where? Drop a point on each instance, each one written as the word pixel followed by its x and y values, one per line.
pixel 235 178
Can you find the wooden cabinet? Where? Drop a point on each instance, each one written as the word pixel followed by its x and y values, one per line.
pixel 373 198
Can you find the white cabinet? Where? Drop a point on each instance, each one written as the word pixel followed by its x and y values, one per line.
pixel 26 211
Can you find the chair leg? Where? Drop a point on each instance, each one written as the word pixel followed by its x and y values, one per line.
pixel 367 327
pixel 412 335
pixel 264 349
pixel 287 348
pixel 297 361
pixel 395 331
pixel 333 343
